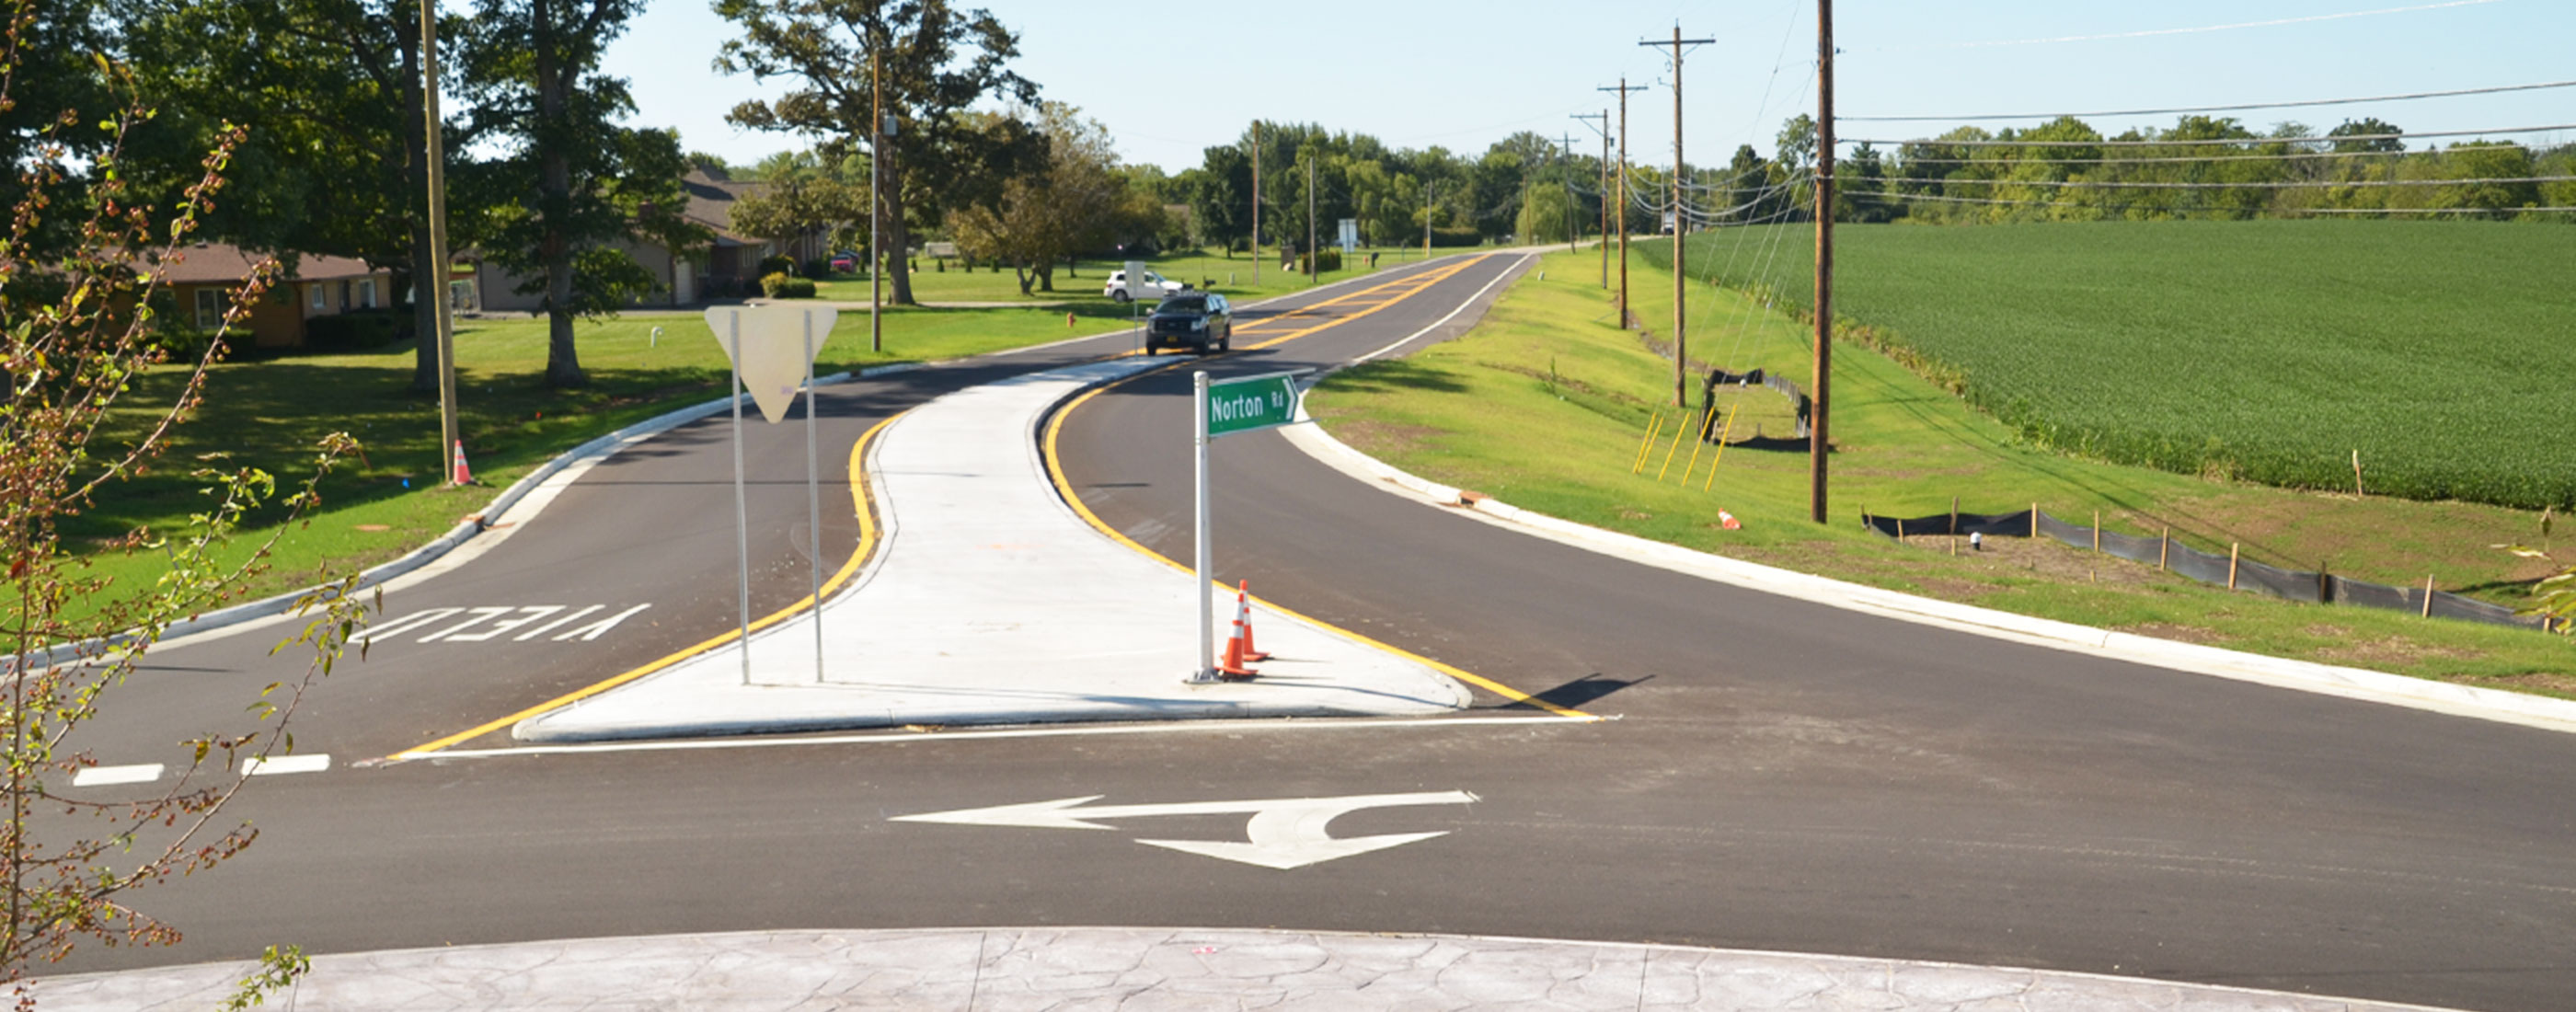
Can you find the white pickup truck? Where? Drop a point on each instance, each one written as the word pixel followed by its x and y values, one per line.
pixel 1146 284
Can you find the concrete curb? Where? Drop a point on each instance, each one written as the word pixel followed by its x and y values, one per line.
pixel 467 529
pixel 2541 712
pixel 1149 967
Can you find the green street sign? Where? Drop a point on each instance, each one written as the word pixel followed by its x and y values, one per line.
pixel 1253 402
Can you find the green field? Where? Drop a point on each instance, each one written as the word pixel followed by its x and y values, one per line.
pixel 1544 403
pixel 2267 350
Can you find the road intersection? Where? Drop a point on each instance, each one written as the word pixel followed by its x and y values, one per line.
pixel 1783 776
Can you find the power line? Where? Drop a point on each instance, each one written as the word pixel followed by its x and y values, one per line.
pixel 2187 141
pixel 2255 185
pixel 2221 108
pixel 1935 198
pixel 2272 23
pixel 2229 157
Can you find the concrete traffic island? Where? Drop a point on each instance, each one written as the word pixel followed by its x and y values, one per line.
pixel 1144 968
pixel 989 601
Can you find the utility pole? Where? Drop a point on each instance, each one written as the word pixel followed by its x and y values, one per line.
pixel 1681 225
pixel 876 198
pixel 1312 260
pixel 1623 89
pixel 1426 219
pixel 1818 445
pixel 1256 203
pixel 450 440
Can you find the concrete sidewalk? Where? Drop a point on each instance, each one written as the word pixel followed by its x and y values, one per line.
pixel 990 601
pixel 1139 969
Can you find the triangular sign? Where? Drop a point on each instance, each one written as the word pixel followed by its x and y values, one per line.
pixel 772 345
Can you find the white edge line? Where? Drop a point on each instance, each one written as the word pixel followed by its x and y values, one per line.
pixel 1443 321
pixel 890 737
pixel 2541 712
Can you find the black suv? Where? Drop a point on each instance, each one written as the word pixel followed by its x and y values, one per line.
pixel 1199 320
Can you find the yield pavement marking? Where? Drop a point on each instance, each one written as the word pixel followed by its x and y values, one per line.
pixel 255 766
pixel 1284 832
pixel 858 556
pixel 101 776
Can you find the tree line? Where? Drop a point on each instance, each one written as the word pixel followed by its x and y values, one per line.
pixel 2201 167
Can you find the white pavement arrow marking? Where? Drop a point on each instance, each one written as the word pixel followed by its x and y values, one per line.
pixel 1285 832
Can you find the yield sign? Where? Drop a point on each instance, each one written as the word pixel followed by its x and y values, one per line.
pixel 1285 832
pixel 771 346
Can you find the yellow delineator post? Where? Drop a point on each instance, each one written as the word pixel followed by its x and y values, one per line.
pixel 1711 481
pixel 1653 425
pixel 1699 438
pixel 1674 448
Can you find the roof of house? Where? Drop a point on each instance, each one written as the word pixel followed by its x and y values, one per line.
pixel 219 263
pixel 711 204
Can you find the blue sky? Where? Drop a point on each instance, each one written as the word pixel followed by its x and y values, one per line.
pixel 1169 79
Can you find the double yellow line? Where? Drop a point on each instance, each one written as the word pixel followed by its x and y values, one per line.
pixel 1063 487
pixel 1410 286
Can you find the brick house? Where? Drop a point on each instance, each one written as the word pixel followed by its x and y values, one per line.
pixel 731 264
pixel 205 279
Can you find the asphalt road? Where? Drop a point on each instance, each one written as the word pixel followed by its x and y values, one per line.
pixel 1784 775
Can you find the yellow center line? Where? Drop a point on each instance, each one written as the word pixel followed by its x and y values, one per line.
pixel 1064 488
pixel 859 556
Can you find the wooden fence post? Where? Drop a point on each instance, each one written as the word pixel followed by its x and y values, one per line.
pixel 2231 565
pixel 2164 548
pixel 2097 532
pixel 2428 595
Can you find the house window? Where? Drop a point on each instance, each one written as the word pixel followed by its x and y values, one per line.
pixel 321 296
pixel 210 308
pixel 367 293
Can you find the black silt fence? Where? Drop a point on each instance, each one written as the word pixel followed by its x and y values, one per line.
pixel 2207 567
pixel 1806 406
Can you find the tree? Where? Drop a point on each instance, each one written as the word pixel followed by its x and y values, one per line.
pixel 824 47
pixel 803 206
pixel 1075 202
pixel 76 328
pixel 2375 133
pixel 337 164
pixel 571 180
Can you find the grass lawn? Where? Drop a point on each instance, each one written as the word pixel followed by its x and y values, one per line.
pixel 269 412
pixel 2270 350
pixel 1231 276
pixel 1544 404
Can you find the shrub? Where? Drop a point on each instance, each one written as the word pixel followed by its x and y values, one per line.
pixel 1327 261
pixel 781 285
pixel 354 331
pixel 779 264
pixel 819 268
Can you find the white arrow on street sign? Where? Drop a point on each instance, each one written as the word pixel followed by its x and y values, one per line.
pixel 1285 832
pixel 774 352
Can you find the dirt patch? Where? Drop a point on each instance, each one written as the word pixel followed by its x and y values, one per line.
pixel 2552 683
pixel 1631 514
pixel 2042 557
pixel 2177 633
pixel 2388 650
pixel 1964 591
pixel 1381 439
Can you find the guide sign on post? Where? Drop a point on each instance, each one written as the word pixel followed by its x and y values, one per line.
pixel 1225 408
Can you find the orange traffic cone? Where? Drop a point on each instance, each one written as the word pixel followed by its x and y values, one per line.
pixel 1727 521
pixel 1235 666
pixel 1243 617
pixel 460 474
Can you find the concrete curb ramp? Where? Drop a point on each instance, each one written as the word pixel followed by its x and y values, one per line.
pixel 990 602
pixel 1145 968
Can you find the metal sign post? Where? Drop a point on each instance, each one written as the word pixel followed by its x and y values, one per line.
pixel 772 350
pixel 1225 408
